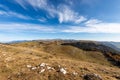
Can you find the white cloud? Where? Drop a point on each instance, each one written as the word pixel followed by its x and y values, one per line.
pixel 43 4
pixel 18 15
pixel 105 27
pixel 92 21
pixel 22 3
pixel 13 14
pixel 66 14
pixel 95 26
pixel 24 27
pixel 3 13
pixel 42 19
pixel 36 4
pixel 80 19
pixel 63 12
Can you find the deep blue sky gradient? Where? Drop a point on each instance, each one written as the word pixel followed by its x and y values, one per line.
pixel 106 11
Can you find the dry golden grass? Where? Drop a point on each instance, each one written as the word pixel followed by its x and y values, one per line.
pixel 14 59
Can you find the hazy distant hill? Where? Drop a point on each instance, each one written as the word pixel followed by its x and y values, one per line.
pixel 117 44
pixel 114 45
pixel 18 41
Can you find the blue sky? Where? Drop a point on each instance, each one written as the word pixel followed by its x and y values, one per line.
pixel 60 19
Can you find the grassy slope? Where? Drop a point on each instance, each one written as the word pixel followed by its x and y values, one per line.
pixel 15 57
pixel 66 51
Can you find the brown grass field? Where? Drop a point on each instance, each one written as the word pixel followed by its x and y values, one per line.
pixel 22 61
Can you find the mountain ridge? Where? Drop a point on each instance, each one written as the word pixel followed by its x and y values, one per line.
pixel 69 61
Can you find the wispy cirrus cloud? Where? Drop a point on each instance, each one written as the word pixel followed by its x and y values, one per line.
pixel 13 14
pixel 66 14
pixel 95 26
pixel 62 11
pixel 23 27
pixel 9 13
pixel 92 21
pixel 22 3
pixel 36 4
pixel 42 19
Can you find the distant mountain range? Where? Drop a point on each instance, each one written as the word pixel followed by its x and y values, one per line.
pixel 18 41
pixel 114 45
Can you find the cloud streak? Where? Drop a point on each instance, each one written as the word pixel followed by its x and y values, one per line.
pixel 13 14
pixel 21 3
pixel 42 19
pixel 62 11
pixel 23 27
pixel 67 15
pixel 36 4
pixel 95 26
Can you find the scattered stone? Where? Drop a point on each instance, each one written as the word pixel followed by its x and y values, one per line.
pixel 63 71
pixel 34 68
pixel 48 67
pixel 43 70
pixel 43 64
pixel 29 66
pixel 75 73
pixel 92 77
pixel 45 67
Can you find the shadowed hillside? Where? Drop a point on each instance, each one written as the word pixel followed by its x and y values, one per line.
pixel 112 55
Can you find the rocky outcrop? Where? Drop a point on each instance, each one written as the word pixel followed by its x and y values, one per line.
pixel 92 77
